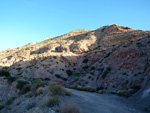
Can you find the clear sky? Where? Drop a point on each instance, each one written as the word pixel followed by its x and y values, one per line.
pixel 24 21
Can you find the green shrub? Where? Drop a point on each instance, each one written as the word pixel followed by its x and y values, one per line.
pixel 57 110
pixel 106 72
pixel 53 101
pixel 21 84
pixel 38 83
pixel 25 89
pixel 72 86
pixel 55 89
pixel 89 77
pixel 70 108
pixel 69 72
pixel 10 101
pixel 77 74
pixel 30 94
pixel 40 91
pixel 4 73
pixel 85 67
pixel 85 60
pixel 11 79
pixel 92 68
pixel 136 87
pixel 124 73
pixel 1 107
pixel 19 68
pixel 90 89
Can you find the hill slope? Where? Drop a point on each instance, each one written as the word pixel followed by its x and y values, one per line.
pixel 112 58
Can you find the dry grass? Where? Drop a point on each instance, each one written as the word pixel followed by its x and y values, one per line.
pixel 52 101
pixel 70 108
pixel 67 92
pixel 30 94
pixel 40 90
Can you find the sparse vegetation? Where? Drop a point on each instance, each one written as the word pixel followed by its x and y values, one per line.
pixel 70 108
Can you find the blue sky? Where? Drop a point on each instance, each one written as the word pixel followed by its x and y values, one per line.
pixel 24 21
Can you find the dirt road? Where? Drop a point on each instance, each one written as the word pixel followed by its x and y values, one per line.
pixel 101 103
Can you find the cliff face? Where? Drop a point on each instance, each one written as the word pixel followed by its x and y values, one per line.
pixel 110 58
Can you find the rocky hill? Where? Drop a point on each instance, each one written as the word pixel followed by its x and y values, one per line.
pixel 112 58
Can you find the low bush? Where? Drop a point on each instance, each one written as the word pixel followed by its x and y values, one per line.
pixel 11 79
pixel 1 107
pixel 90 89
pixel 55 89
pixel 70 108
pixel 72 86
pixel 52 101
pixel 21 84
pixel 125 93
pixel 69 72
pixel 30 94
pixel 85 67
pixel 100 92
pixel 108 69
pixel 80 88
pixel 136 87
pixel 25 89
pixel 92 68
pixel 77 74
pixel 38 83
pixel 10 101
pixel 4 73
pixel 85 60
pixel 40 91
pixel 124 73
